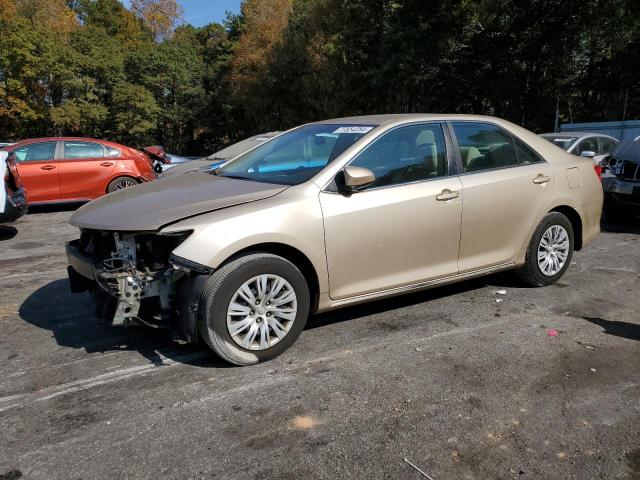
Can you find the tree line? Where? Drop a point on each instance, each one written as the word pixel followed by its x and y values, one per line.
pixel 140 75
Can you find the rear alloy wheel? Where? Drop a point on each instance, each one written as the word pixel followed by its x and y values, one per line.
pixel 253 308
pixel 553 250
pixel 550 251
pixel 121 183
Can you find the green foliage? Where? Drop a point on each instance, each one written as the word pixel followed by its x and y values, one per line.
pixel 135 112
pixel 95 68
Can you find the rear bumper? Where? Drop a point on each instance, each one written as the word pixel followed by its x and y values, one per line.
pixel 625 191
pixel 15 206
pixel 621 195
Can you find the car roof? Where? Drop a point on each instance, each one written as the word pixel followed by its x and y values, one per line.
pixel 573 134
pixel 407 117
pixel 77 139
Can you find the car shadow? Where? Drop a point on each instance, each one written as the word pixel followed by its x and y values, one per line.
pixel 497 280
pixel 7 232
pixel 73 323
pixel 54 207
pixel 616 328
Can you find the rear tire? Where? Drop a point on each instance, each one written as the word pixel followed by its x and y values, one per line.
pixel 235 299
pixel 550 251
pixel 121 183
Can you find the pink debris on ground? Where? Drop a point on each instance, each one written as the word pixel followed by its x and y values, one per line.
pixel 552 332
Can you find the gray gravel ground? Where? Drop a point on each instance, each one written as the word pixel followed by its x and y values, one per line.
pixel 462 386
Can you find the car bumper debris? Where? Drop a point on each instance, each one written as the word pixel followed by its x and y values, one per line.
pixel 133 280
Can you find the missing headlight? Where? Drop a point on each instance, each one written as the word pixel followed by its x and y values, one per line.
pixel 134 269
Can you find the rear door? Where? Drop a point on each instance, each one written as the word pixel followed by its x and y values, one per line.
pixel 85 169
pixel 506 184
pixel 38 170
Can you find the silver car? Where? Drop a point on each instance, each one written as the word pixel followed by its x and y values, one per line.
pixel 217 158
pixel 583 144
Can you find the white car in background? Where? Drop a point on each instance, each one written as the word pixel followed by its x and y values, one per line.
pixel 583 144
pixel 13 198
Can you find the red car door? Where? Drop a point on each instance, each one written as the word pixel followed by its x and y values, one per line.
pixel 38 170
pixel 85 170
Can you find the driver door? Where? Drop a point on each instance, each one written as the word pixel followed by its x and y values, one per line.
pixel 405 227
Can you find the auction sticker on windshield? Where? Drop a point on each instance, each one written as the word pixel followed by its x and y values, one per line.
pixel 353 129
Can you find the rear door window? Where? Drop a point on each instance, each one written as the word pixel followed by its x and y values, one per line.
pixel 73 149
pixel 35 152
pixel 484 146
pixel 526 155
pixel 112 152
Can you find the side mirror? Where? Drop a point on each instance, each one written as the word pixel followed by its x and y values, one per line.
pixel 357 177
pixel 588 153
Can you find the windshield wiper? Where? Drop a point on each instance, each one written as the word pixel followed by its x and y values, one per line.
pixel 236 177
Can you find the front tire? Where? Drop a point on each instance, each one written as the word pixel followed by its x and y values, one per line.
pixel 253 308
pixel 550 251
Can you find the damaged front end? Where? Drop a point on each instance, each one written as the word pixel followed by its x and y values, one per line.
pixel 132 277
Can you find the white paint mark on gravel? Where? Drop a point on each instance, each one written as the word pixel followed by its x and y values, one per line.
pixel 7 403
pixel 21 400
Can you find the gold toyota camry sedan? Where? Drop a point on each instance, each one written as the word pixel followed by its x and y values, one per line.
pixel 330 214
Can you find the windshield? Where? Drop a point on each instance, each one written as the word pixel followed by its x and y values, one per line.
pixel 295 156
pixel 562 141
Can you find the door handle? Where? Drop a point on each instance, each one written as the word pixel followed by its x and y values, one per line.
pixel 540 179
pixel 48 167
pixel 106 164
pixel 447 194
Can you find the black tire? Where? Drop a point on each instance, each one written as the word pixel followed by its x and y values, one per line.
pixel 530 272
pixel 219 291
pixel 120 182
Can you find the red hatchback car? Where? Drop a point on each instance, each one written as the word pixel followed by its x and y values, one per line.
pixel 66 169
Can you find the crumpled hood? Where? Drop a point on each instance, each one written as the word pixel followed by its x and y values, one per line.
pixel 150 206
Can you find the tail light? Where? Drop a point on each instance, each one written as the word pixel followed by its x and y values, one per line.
pixel 598 170
pixel 11 175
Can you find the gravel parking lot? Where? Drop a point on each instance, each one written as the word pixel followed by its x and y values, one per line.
pixel 460 384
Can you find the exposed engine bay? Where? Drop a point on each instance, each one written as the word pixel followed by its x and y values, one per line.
pixel 133 280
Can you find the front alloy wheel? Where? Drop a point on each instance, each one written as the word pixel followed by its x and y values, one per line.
pixel 262 312
pixel 253 308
